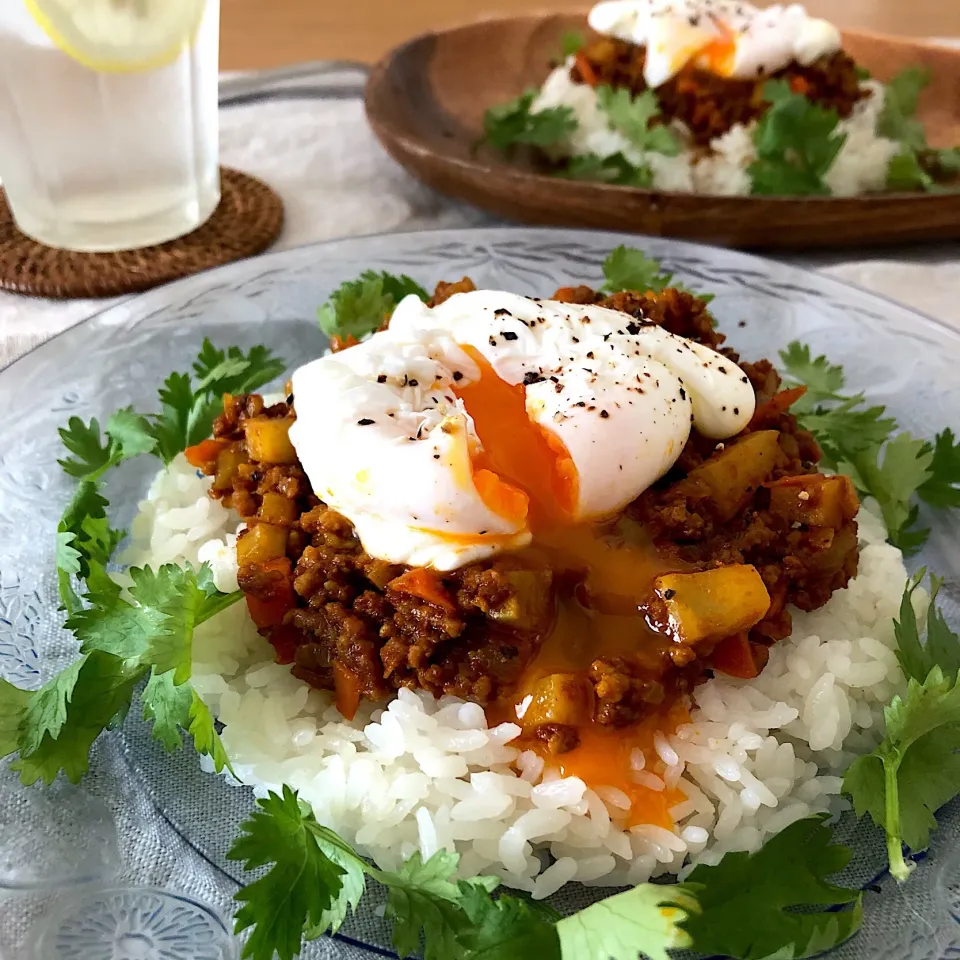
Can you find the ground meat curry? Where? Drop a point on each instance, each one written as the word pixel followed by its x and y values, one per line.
pixel 733 533
pixel 708 104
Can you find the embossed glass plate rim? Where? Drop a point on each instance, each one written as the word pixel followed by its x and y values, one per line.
pixel 492 235
pixel 588 248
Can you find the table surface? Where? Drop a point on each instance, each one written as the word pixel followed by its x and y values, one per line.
pixel 257 35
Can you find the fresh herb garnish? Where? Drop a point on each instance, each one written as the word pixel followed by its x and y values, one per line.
pixel 514 123
pixel 916 768
pixel 778 901
pixel 913 167
pixel 797 143
pixel 616 169
pixel 861 440
pixel 634 116
pixel 315 880
pixel 359 307
pixel 571 43
pixel 145 633
pixel 627 268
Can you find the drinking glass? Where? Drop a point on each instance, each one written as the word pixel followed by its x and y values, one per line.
pixel 101 156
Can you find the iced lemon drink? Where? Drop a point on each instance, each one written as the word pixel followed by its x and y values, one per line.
pixel 108 119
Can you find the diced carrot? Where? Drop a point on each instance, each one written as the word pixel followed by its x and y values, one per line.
pixel 799 85
pixel 203 453
pixel 270 611
pixel 767 413
pixel 586 70
pixel 284 641
pixel 338 343
pixel 425 584
pixel 734 657
pixel 346 687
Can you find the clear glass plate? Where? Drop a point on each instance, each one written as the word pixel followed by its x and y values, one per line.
pixel 904 360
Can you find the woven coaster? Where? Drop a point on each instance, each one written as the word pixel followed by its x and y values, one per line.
pixel 247 220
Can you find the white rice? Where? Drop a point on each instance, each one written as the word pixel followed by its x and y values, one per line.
pixel 861 165
pixel 425 774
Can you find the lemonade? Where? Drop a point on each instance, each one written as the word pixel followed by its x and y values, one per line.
pixel 108 119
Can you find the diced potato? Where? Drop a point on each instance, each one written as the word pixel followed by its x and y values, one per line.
pixel 262 542
pixel 268 440
pixel 564 698
pixel 277 509
pixel 529 605
pixel 732 475
pixel 815 500
pixel 713 604
pixel 228 462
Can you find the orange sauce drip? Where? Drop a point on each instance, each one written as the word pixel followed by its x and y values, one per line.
pixel 523 467
pixel 604 760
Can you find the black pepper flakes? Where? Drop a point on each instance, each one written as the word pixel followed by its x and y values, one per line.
pixel 669 594
pixel 508 335
pixel 382 378
pixel 604 414
pixel 365 422
pixel 457 375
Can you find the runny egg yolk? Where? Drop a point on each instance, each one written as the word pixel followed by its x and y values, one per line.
pixel 522 469
pixel 719 55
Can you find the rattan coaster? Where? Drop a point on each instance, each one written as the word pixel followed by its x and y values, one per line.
pixel 246 222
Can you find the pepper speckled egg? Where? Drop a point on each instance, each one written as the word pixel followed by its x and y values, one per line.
pixel 455 433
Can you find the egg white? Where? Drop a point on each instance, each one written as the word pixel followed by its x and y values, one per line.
pixel 385 441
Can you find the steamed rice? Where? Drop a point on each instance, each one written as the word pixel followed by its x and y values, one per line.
pixel 424 774
pixel 860 167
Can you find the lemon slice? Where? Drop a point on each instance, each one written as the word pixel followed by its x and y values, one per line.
pixel 119 36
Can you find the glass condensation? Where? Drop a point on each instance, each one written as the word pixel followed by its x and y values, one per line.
pixel 106 161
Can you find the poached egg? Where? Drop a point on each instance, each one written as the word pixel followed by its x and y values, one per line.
pixel 726 37
pixel 462 429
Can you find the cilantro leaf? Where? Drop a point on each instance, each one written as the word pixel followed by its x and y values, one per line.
pixel 513 122
pixel 941 647
pixel 905 172
pixel 942 487
pixel 174 707
pixel 571 43
pixel 157 628
pixel 632 116
pixel 506 927
pixel 796 143
pixel 90 455
pixel 616 169
pixel 358 307
pixel 85 542
pixel 13 706
pixel 99 695
pixel 46 709
pixel 893 478
pixel 916 768
pixel 898 120
pixel 756 886
pixel 859 440
pixel 422 901
pixel 646 919
pixel 188 410
pixel 627 268
pixel 303 882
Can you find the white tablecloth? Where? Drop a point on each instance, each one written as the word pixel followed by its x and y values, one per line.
pixel 319 154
